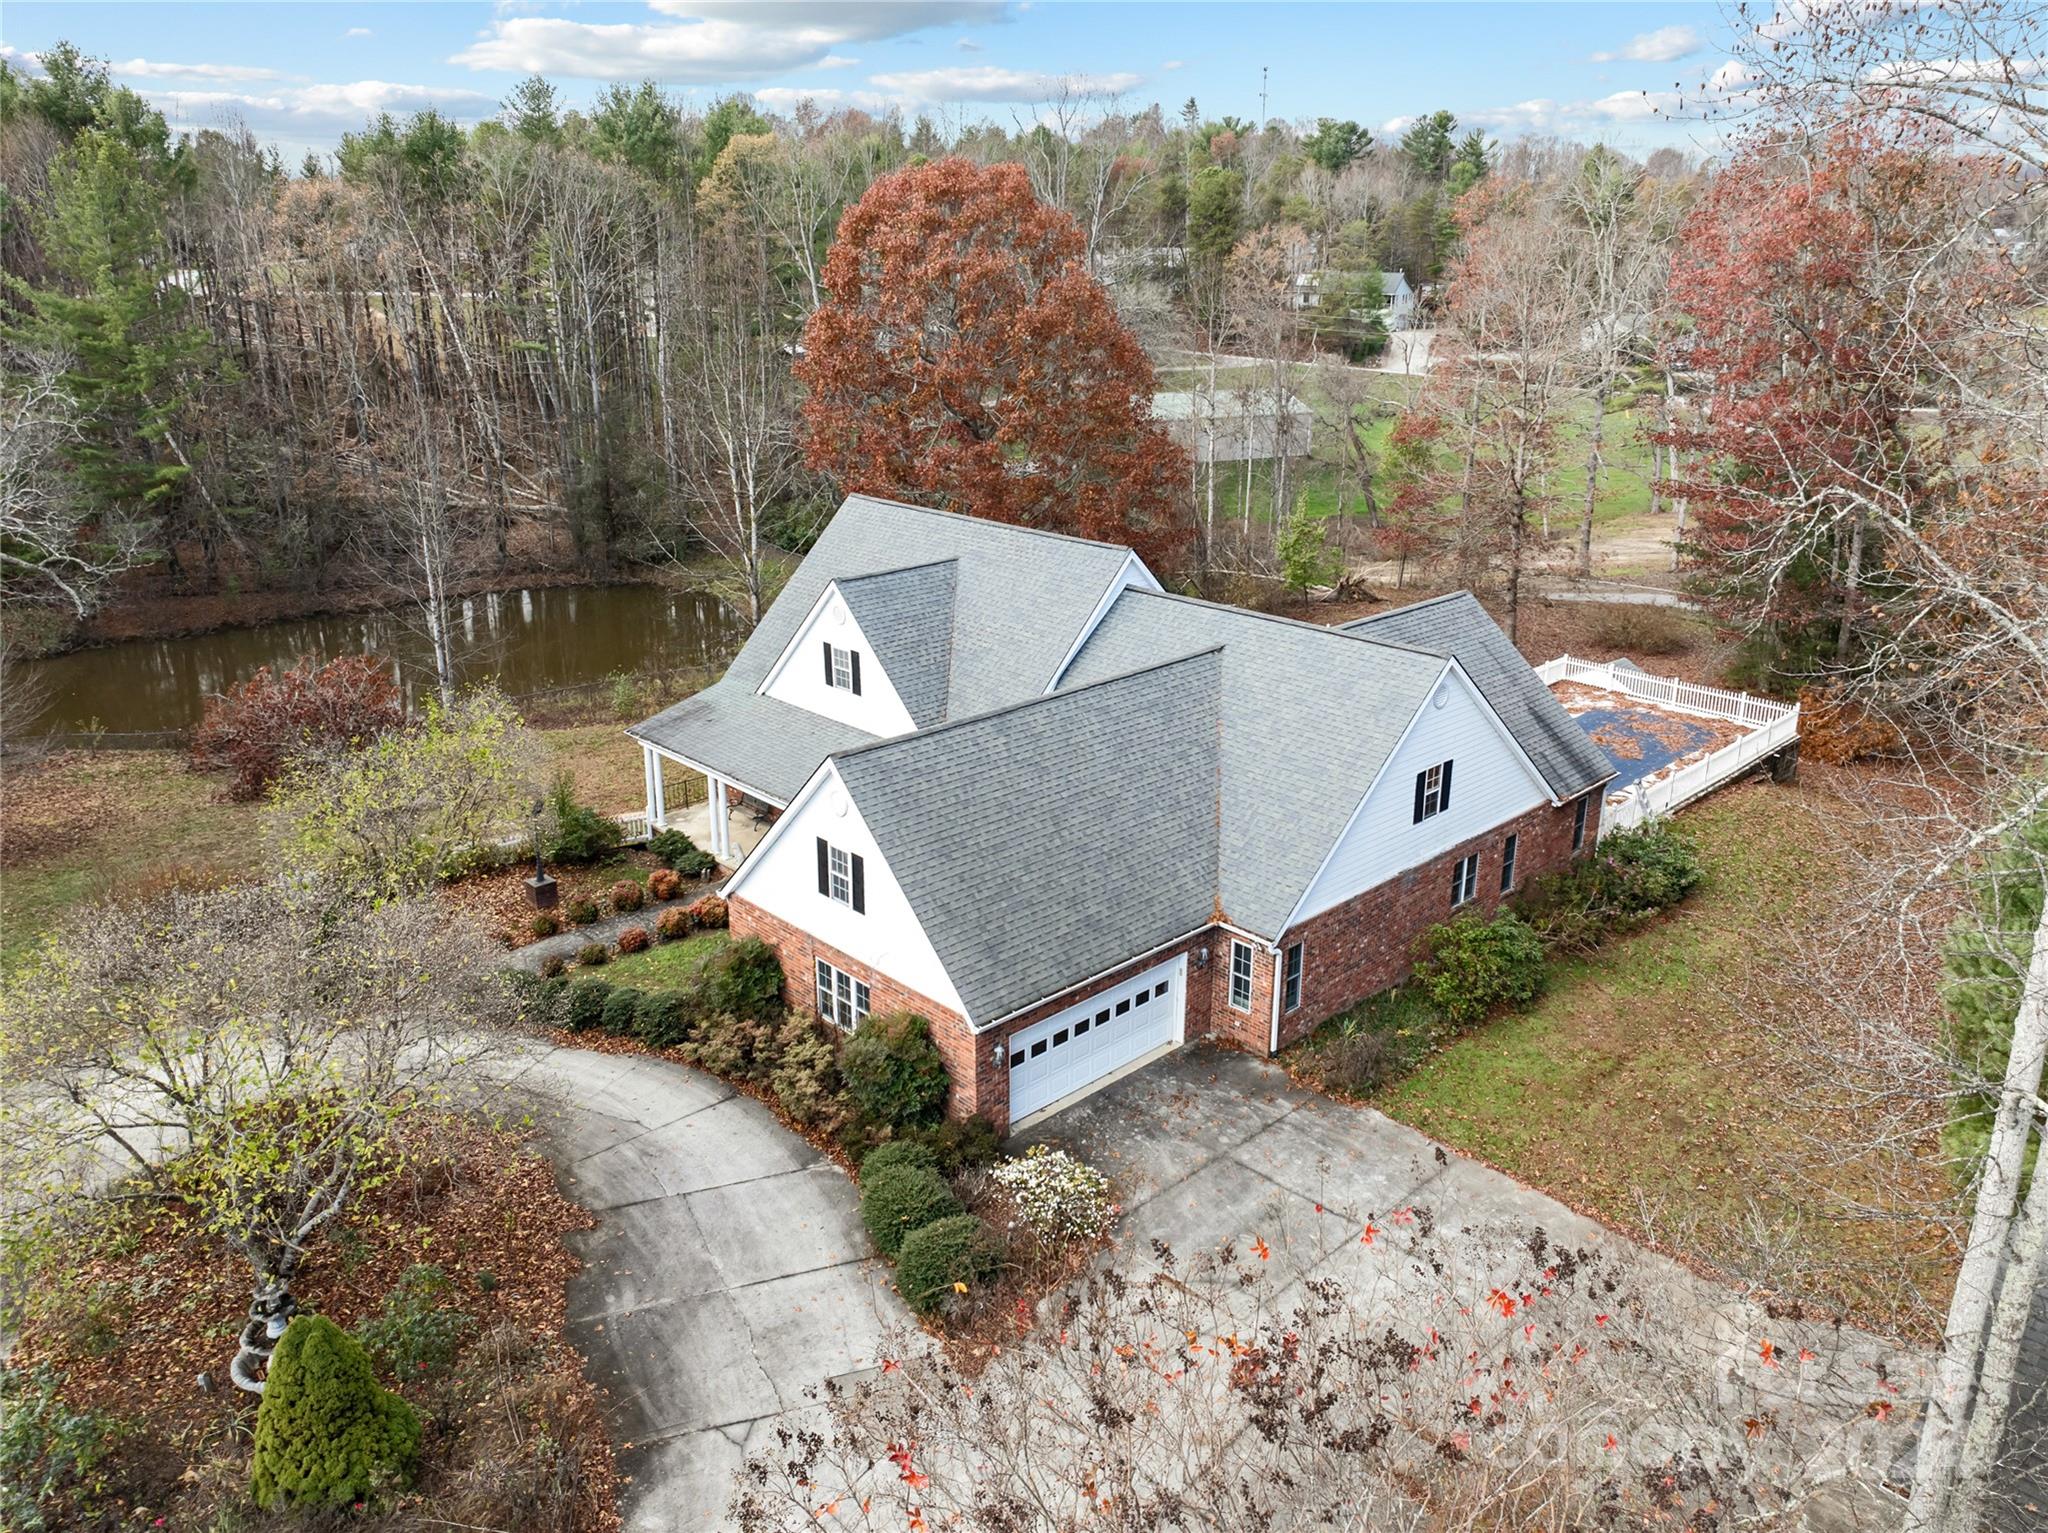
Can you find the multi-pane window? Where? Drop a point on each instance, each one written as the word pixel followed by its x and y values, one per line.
pixel 1241 975
pixel 1579 822
pixel 842 668
pixel 842 999
pixel 1432 791
pixel 1464 878
pixel 1290 987
pixel 1507 864
pixel 842 875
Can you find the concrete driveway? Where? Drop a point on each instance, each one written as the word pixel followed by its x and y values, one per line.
pixel 728 1272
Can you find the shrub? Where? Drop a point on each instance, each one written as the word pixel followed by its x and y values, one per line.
pixel 592 954
pixel 634 939
pixel 256 729
pixel 805 1079
pixel 586 1004
pixel 553 966
pixel 1062 1198
pixel 542 925
pixel 1647 868
pixel 894 1071
pixel 620 1008
pixel 627 896
pixel 662 1019
pixel 961 1143
pixel 941 1259
pixel 416 1331
pixel 1358 1063
pixel 738 1048
pixel 580 911
pixel 326 1435
pixel 50 1454
pixel 1471 966
pixel 744 980
pixel 898 1199
pixel 673 924
pixel 678 852
pixel 1634 628
pixel 543 998
pixel 898 1152
pixel 709 913
pixel 662 884
pixel 576 832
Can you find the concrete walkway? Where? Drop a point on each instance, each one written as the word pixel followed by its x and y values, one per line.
pixel 728 1273
pixel 565 945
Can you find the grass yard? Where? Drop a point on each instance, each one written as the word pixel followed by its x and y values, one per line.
pixel 1636 1090
pixel 666 965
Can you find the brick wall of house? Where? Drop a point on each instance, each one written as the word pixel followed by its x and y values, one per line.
pixel 1367 944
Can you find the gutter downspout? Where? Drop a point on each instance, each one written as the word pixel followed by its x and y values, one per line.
pixel 1273 1044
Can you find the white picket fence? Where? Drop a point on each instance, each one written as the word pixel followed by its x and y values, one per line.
pixel 1771 727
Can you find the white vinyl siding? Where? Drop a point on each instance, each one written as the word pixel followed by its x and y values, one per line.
pixel 818 672
pixel 1492 786
pixel 1241 975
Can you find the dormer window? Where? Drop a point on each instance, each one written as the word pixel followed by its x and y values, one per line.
pixel 842 669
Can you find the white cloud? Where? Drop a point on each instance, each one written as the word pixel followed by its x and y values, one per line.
pixel 967 45
pixel 314 111
pixel 1394 127
pixel 836 61
pixel 1172 64
pixel 28 63
pixel 711 42
pixel 1658 47
pixel 224 74
pixel 1544 115
pixel 787 98
pixel 358 32
pixel 990 82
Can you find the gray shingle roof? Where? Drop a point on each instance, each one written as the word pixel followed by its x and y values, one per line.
pixel 907 615
pixel 1309 714
pixel 1020 599
pixel 1457 625
pixel 759 742
pixel 1044 843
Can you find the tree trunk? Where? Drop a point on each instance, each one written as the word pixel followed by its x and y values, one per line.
pixel 1935 1470
pixel 1852 582
pixel 1593 463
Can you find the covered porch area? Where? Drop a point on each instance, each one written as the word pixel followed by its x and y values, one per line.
pixel 727 819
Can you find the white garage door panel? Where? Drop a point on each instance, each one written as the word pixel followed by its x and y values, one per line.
pixel 1059 1056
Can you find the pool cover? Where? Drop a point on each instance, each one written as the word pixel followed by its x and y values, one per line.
pixel 1641 743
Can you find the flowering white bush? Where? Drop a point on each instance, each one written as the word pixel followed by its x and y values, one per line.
pixel 1062 1198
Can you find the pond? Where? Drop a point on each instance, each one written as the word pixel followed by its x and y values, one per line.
pixel 528 641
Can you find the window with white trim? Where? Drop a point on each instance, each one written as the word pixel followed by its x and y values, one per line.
pixel 842 999
pixel 1290 985
pixel 1507 863
pixel 1464 879
pixel 1241 975
pixel 1579 822
pixel 1432 791
pixel 842 875
pixel 842 668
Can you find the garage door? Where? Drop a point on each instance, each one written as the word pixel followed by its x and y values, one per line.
pixel 1059 1056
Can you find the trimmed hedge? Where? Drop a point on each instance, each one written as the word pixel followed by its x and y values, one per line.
pixel 587 999
pixel 662 1019
pixel 620 1008
pixel 894 1071
pixel 958 1249
pixel 896 1153
pixel 900 1199
pixel 744 980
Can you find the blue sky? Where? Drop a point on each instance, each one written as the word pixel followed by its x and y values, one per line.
pixel 303 73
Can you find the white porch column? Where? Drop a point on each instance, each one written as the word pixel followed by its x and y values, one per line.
pixel 657 795
pixel 648 778
pixel 714 814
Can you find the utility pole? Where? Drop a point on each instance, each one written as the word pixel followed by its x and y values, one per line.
pixel 1262 98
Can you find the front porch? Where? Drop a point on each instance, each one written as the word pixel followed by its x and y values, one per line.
pixel 725 818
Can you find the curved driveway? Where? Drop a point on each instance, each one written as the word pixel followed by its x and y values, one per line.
pixel 728 1272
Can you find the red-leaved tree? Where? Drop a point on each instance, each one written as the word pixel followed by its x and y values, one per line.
pixel 255 729
pixel 965 358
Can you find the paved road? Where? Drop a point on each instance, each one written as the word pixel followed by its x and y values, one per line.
pixel 729 1271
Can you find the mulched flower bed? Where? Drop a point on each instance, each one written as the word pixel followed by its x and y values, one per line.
pixel 133 1324
pixel 500 900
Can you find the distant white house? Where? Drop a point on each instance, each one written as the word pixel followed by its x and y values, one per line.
pixel 1232 425
pixel 1397 298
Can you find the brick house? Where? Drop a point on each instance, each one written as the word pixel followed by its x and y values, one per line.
pixel 1077 821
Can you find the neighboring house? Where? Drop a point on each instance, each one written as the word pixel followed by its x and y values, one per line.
pixel 1397 298
pixel 1231 425
pixel 1076 821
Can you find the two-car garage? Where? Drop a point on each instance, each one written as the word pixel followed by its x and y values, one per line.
pixel 1094 1038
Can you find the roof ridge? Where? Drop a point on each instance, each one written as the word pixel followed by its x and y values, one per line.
pixel 1427 601
pixel 1274 617
pixel 1029 702
pixel 899 569
pixel 989 521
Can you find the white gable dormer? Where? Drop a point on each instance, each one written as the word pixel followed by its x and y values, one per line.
pixel 831 668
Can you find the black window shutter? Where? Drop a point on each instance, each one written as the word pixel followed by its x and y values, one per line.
pixel 853 669
pixel 1421 785
pixel 824 867
pixel 828 664
pixel 1443 799
pixel 860 884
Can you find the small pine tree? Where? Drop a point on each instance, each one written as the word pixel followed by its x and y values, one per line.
pixel 326 1434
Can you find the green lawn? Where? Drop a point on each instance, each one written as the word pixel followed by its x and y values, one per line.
pixel 1637 1088
pixel 666 965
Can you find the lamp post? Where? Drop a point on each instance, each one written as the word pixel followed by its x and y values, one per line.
pixel 540 888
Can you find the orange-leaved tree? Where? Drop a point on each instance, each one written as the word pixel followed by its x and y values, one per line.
pixel 964 358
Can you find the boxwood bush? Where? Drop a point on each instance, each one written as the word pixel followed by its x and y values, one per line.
pixel 894 1071
pixel 1470 966
pixel 586 1004
pixel 620 1008
pixel 663 1018
pixel 934 1258
pixel 897 1153
pixel 899 1199
pixel 744 980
